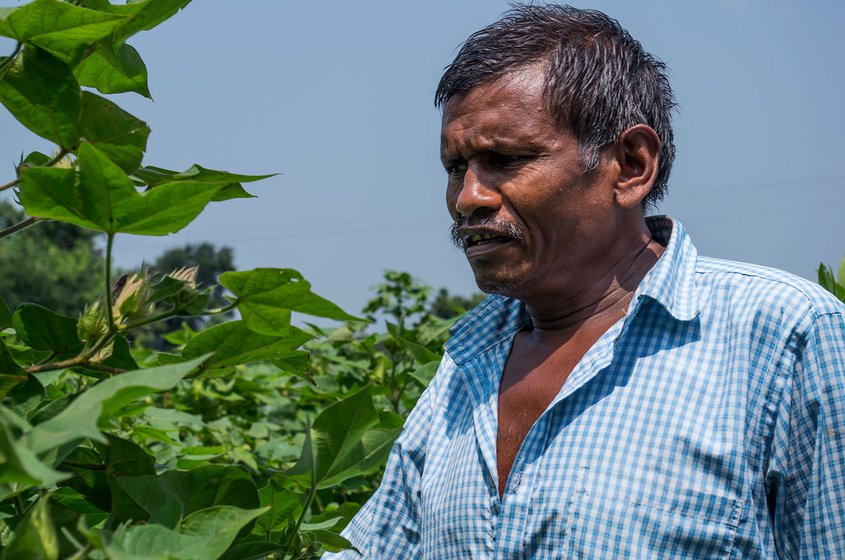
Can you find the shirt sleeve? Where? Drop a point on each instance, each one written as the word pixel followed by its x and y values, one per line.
pixel 388 526
pixel 806 495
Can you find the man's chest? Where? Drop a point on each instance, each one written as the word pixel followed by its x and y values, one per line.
pixel 643 455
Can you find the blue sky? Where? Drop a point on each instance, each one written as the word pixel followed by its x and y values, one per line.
pixel 337 97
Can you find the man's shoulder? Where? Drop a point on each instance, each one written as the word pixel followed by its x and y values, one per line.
pixel 763 289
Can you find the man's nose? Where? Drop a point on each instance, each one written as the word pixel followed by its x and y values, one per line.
pixel 476 196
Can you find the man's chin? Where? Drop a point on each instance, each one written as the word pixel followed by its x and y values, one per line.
pixel 500 284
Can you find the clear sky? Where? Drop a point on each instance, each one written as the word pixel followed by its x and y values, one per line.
pixel 337 97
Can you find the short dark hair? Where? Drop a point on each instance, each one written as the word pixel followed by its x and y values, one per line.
pixel 599 80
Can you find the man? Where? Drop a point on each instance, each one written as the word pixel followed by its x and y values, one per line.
pixel 619 396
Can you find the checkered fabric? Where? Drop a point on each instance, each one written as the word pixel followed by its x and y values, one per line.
pixel 708 423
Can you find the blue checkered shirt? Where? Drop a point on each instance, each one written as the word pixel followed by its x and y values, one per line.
pixel 708 423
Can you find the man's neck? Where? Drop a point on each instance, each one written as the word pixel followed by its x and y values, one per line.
pixel 605 300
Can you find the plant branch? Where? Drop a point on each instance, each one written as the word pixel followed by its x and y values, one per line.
pixel 64 364
pixel 19 226
pixel 109 302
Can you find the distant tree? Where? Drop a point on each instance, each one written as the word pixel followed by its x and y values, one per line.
pixel 55 264
pixel 446 305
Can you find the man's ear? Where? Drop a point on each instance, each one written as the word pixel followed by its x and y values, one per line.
pixel 637 154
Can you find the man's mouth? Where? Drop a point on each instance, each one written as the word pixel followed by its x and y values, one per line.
pixel 481 236
pixel 483 239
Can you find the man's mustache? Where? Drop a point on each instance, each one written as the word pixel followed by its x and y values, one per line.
pixel 461 228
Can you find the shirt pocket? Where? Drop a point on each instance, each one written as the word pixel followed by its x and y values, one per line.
pixel 617 514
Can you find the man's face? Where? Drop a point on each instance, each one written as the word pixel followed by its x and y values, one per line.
pixel 530 220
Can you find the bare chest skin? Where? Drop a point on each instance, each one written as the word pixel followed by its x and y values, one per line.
pixel 533 375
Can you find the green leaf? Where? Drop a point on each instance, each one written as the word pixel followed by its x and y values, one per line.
pixel 43 329
pixel 98 404
pixel 21 466
pixel 41 92
pixel 155 176
pixel 204 535
pixel 89 482
pixel 345 441
pixel 26 396
pixel 284 505
pixel 8 382
pixel 7 362
pixel 60 28
pixel 119 135
pixel 252 550
pixel 35 538
pixel 112 69
pixel 169 497
pixel 100 196
pixel 233 343
pixel 266 296
pixel 418 351
pixel 144 15
pixel 425 373
pixel 840 274
pixel 332 541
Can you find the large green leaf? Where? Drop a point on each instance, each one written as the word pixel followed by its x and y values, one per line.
pixel 115 132
pixel 345 440
pixel 233 343
pixel 61 28
pixel 112 69
pixel 100 196
pixel 266 296
pixel 43 329
pixel 35 538
pixel 173 495
pixel 41 92
pixel 98 404
pixel 203 535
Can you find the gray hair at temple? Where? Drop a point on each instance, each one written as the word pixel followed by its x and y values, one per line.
pixel 599 81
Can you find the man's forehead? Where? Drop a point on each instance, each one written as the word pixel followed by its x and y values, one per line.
pixel 523 87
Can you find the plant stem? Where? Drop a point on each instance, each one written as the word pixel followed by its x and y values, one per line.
pixel 223 309
pixel 6 64
pixel 19 226
pixel 81 553
pixel 151 319
pixel 109 303
pixel 100 367
pixel 86 466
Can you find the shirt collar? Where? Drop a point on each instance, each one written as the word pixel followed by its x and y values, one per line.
pixel 670 282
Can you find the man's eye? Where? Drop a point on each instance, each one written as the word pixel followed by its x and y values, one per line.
pixel 503 160
pixel 456 168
